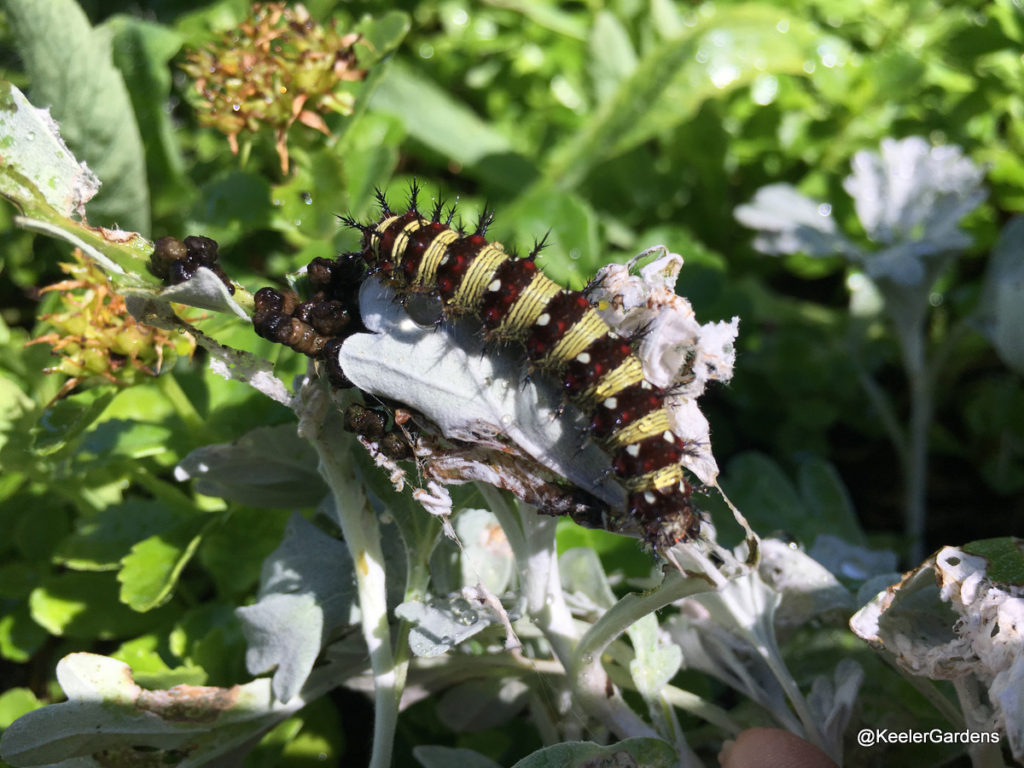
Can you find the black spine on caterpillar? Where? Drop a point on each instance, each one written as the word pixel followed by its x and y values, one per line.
pixel 564 337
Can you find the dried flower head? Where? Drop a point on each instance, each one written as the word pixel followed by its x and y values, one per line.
pixel 95 337
pixel 276 68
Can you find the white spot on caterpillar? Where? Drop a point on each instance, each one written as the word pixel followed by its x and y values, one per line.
pixel 645 384
pixel 583 357
pixel 494 286
pixel 610 403
pixel 649 497
pixel 633 450
pixel 543 319
pixel 669 437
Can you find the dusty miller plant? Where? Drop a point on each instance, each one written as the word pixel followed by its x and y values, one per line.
pixel 476 604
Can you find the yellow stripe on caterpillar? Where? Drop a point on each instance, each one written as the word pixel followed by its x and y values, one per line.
pixel 656 480
pixel 402 240
pixel 629 372
pixel 577 338
pixel 529 306
pixel 652 423
pixel 479 274
pixel 432 257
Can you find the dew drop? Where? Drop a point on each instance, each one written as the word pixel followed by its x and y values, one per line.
pixel 824 209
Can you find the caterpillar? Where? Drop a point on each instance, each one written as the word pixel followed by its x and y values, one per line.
pixel 563 337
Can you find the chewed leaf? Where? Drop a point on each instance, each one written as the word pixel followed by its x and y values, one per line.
pixel 677 352
pixel 209 725
pixel 472 396
pixel 959 615
pixel 38 169
pixel 205 291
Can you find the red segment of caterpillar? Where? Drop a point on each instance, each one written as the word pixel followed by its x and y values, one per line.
pixel 564 337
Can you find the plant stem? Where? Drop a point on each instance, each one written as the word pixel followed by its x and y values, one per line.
pixel 912 344
pixel 362 535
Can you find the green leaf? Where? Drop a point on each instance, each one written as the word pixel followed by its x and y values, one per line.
pixel 143 52
pixel 142 654
pixel 1005 558
pixel 612 56
pixel 20 637
pixel 650 753
pixel 306 206
pixel 573 253
pixel 102 539
pixel 18 578
pixel 432 116
pixel 384 34
pixel 726 48
pixel 65 419
pixel 233 551
pixel 150 571
pixel 656 661
pixel 763 493
pixel 15 703
pixel 827 500
pixel 69 65
pixel 45 181
pixel 85 605
pixel 443 757
pixel 115 440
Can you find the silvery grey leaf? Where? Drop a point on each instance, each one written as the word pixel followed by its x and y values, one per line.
pixel 477 705
pixel 472 396
pixel 1001 305
pixel 269 468
pixel 442 623
pixel 432 756
pixel 306 594
pixel 851 561
pixel 912 191
pixel 789 222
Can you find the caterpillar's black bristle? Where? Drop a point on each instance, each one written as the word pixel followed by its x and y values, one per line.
pixel 486 219
pixel 539 245
pixel 435 214
pixel 385 209
pixel 414 194
pixel 351 223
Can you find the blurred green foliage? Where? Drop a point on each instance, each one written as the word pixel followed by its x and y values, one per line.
pixel 614 125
